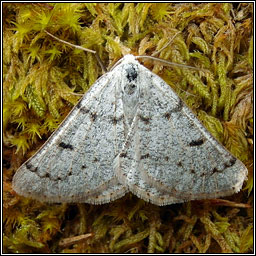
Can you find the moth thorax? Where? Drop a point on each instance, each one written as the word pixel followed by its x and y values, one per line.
pixel 131 91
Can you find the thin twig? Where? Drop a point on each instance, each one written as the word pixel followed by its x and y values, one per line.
pixel 72 240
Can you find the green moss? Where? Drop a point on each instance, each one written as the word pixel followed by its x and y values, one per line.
pixel 44 78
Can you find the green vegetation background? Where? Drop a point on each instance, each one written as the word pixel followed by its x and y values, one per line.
pixel 43 78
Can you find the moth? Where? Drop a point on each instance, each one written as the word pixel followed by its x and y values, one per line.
pixel 130 132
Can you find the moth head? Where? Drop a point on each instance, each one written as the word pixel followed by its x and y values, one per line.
pixel 130 79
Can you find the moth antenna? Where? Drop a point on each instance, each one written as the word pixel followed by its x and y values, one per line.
pixel 167 44
pixel 169 63
pixel 80 48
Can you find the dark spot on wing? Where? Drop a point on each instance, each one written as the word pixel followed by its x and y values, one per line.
pixel 95 160
pixel 145 156
pixel 179 164
pixel 196 142
pixel 146 120
pixel 69 173
pixel 214 170
pixel 93 116
pixel 123 154
pixel 79 104
pixel 167 116
pixel 83 166
pixel 31 167
pixel 192 171
pixel 66 146
pixel 47 175
pixel 84 110
pixel 166 158
pixel 115 120
pixel 231 162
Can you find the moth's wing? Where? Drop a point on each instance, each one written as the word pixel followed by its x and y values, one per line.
pixel 110 192
pixel 169 149
pixel 76 163
pixel 129 173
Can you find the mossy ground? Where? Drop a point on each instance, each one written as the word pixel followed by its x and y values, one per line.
pixel 43 78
